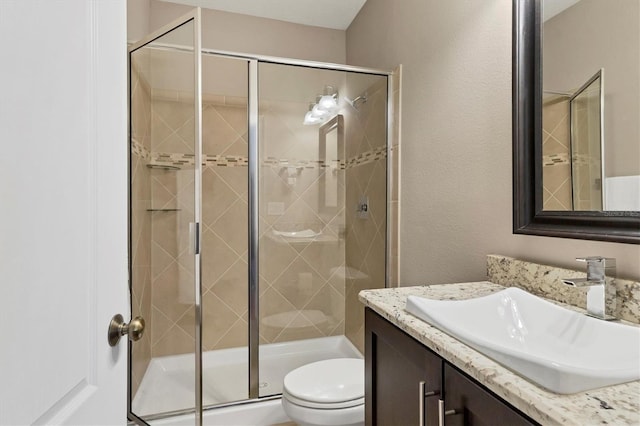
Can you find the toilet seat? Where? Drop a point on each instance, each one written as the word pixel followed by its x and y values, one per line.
pixel 328 385
pixel 320 405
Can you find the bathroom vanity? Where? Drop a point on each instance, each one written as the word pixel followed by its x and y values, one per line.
pixel 417 374
pixel 410 384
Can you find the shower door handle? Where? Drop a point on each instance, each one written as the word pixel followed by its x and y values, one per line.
pixel 119 328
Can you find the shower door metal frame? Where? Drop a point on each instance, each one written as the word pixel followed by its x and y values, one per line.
pixel 195 227
pixel 253 197
pixel 253 160
pixel 254 236
pixel 598 75
pixel 391 183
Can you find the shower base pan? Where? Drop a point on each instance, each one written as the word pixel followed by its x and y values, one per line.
pixel 168 384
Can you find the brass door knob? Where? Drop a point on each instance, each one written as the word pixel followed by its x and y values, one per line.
pixel 118 328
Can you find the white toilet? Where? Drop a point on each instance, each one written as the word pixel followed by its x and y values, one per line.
pixel 326 393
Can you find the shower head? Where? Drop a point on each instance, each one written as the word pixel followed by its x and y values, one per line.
pixel 357 101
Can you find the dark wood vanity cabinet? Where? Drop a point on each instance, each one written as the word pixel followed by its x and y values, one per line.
pixel 474 405
pixel 398 370
pixel 408 384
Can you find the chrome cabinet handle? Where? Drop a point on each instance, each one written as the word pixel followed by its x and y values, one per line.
pixel 442 413
pixel 119 328
pixel 422 389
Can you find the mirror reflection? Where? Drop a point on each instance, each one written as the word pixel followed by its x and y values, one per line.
pixel 331 150
pixel 591 105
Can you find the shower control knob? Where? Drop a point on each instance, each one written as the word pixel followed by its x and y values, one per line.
pixel 118 328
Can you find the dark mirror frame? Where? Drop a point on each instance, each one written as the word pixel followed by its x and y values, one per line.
pixel 528 216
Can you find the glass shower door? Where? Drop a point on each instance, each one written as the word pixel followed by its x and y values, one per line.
pixel 322 213
pixel 293 222
pixel 587 142
pixel 165 170
pixel 225 235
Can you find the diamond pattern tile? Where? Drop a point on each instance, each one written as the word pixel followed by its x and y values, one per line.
pixel 217 196
pixel 274 257
pixel 555 121
pixel 217 133
pixel 304 280
pixel 231 288
pixel 141 223
pixel 217 258
pixel 299 283
pixel 232 226
pixel 217 318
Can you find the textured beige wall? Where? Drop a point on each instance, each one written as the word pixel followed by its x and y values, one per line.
pixel 456 136
pixel 596 34
pixel 249 34
pixel 137 19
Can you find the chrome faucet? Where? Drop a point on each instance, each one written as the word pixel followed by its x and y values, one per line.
pixel 601 296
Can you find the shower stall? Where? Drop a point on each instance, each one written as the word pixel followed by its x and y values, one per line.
pixel 574 147
pixel 258 210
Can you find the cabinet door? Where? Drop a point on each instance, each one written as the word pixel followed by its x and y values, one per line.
pixel 474 405
pixel 398 372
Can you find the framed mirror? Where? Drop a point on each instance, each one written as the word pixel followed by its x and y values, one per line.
pixel 331 155
pixel 576 119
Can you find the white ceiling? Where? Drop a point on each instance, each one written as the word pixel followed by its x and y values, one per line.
pixel 336 14
pixel 551 8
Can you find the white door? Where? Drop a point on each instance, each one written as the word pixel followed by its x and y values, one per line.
pixel 63 211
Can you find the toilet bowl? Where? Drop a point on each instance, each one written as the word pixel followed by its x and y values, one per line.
pixel 326 393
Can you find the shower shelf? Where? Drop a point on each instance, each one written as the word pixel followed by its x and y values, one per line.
pixel 163 210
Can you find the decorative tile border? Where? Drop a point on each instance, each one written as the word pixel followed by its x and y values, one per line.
pixel 368 157
pixel 564 159
pixel 304 164
pixel 173 160
pixel 585 159
pixel 556 160
pixel 138 149
pixel 225 161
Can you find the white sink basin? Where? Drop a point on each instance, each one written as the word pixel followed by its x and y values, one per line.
pixel 559 349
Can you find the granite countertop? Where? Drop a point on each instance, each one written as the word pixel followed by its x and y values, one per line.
pixel 613 405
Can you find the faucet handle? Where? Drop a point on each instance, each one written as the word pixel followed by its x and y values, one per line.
pixel 609 261
pixel 589 259
pixel 598 267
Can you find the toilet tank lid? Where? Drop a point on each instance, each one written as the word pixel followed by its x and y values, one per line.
pixel 328 381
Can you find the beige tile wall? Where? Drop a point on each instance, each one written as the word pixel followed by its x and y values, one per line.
pixel 301 289
pixel 587 173
pixel 140 221
pixel 365 245
pixel 225 218
pixel 301 280
pixel 224 237
pixel 556 173
pixel 308 287
pixel 557 158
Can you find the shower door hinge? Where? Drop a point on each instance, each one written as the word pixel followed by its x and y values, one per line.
pixel 194 238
